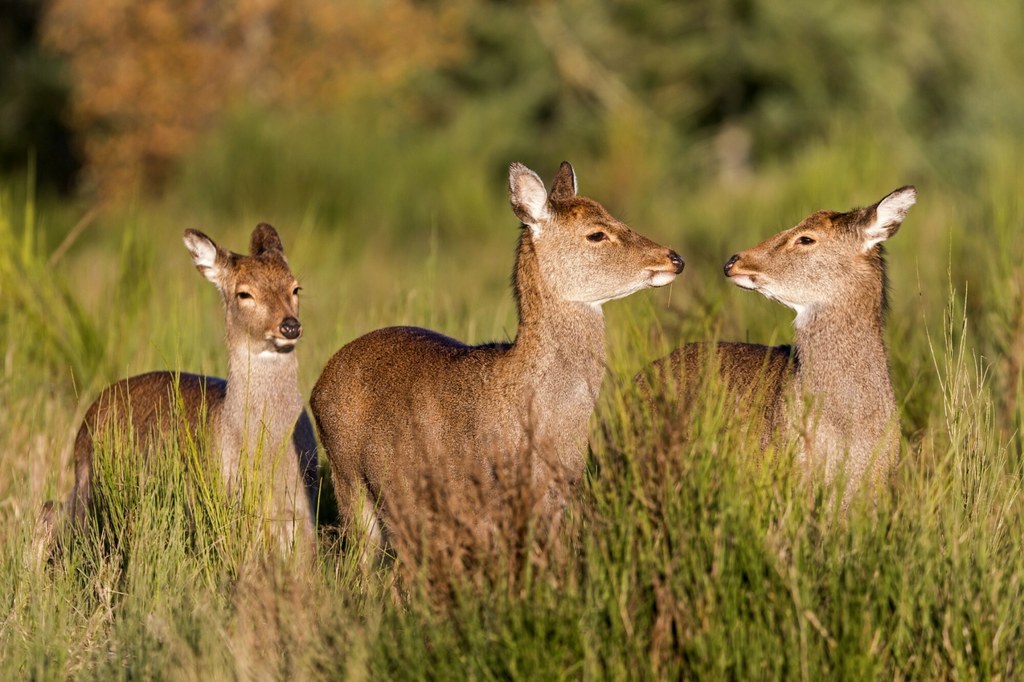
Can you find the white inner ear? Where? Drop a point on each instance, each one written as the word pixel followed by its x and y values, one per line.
pixel 530 199
pixel 204 255
pixel 889 215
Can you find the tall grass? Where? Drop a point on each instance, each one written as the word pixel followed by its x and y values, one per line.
pixel 676 556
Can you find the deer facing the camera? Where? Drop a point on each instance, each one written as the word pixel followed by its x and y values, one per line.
pixel 258 412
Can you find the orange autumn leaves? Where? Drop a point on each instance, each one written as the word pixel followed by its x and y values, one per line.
pixel 148 77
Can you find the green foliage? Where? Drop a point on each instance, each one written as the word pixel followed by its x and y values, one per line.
pixel 679 92
pixel 43 322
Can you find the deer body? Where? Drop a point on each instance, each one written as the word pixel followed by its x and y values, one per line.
pixel 389 400
pixel 757 380
pixel 257 412
pixel 833 392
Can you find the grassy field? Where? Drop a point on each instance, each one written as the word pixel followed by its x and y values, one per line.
pixel 675 558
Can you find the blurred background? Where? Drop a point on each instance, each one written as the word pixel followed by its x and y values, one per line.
pixel 377 135
pixel 290 100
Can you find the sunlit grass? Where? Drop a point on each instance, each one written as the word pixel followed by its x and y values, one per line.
pixel 676 557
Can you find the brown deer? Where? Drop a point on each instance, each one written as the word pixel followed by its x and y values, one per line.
pixel 832 392
pixel 391 400
pixel 257 412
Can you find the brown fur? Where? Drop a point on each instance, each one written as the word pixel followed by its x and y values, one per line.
pixel 834 395
pixel 755 378
pixel 402 398
pixel 259 407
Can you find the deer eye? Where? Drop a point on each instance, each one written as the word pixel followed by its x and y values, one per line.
pixel 597 236
pixel 243 295
pixel 296 290
pixel 805 240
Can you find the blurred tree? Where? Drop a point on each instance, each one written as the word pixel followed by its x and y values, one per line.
pixel 716 87
pixel 147 77
pixel 756 79
pixel 33 99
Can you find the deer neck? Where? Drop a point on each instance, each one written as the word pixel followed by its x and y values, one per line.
pixel 561 343
pixel 843 366
pixel 262 402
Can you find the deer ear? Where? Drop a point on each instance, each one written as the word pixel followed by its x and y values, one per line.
pixel 207 256
pixel 528 197
pixel 264 238
pixel 564 186
pixel 887 216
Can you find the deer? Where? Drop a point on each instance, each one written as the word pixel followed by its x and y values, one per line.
pixel 388 400
pixel 831 392
pixel 257 412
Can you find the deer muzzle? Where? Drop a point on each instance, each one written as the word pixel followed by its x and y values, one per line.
pixel 741 276
pixel 729 263
pixel 677 261
pixel 290 328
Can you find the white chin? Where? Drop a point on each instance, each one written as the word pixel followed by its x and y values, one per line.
pixel 660 279
pixel 743 281
pixel 281 346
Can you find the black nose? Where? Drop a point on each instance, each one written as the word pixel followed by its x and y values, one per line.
pixel 677 261
pixel 729 263
pixel 290 328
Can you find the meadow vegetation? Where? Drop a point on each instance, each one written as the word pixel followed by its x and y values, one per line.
pixel 676 556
